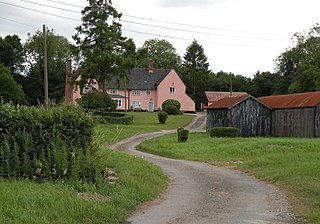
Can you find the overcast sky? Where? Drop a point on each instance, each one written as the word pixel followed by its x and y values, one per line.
pixel 238 36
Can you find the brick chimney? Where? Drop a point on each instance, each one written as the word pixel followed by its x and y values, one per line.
pixel 150 66
pixel 68 87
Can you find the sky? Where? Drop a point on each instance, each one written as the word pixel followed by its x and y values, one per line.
pixel 241 37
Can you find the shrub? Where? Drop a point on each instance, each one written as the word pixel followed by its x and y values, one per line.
pixel 224 132
pixel 171 110
pixel 97 101
pixel 112 118
pixel 171 102
pixel 183 134
pixel 162 117
pixel 54 143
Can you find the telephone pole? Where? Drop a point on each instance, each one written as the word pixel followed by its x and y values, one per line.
pixel 45 67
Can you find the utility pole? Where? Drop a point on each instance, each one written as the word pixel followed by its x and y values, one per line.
pixel 45 67
pixel 230 76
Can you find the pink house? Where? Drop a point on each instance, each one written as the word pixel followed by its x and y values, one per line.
pixel 146 89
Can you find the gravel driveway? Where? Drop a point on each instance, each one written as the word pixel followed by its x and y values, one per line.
pixel 202 193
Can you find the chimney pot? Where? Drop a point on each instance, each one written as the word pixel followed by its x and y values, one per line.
pixel 150 66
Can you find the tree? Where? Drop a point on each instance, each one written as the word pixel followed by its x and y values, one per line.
pixel 299 66
pixel 10 91
pixel 161 52
pixel 11 53
pixel 196 72
pixel 100 43
pixel 265 84
pixel 58 50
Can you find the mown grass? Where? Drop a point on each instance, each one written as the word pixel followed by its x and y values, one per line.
pixel 143 122
pixel 140 181
pixel 290 163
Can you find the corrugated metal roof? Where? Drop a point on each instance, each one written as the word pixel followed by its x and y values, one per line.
pixel 215 95
pixel 297 100
pixel 228 102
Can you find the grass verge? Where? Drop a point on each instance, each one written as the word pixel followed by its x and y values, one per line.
pixel 140 181
pixel 290 163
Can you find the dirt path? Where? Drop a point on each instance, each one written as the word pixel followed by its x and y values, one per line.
pixel 201 193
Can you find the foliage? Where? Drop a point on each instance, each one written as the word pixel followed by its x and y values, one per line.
pixel 101 45
pixel 172 110
pixel 169 102
pixel 47 144
pixel 182 134
pixel 161 52
pixel 162 117
pixel 224 132
pixel 299 65
pixel 97 101
pixel 113 118
pixel 265 84
pixel 196 72
pixel 11 53
pixel 58 50
pixel 10 91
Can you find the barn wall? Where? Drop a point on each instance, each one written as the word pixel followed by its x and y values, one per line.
pixel 296 122
pixel 317 122
pixel 252 118
pixel 217 118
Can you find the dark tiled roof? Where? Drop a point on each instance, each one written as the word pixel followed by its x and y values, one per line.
pixel 297 100
pixel 140 79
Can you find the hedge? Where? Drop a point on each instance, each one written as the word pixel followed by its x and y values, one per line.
pixel 224 132
pixel 112 118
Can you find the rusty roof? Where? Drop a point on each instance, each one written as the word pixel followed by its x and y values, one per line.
pixel 215 96
pixel 228 102
pixel 296 100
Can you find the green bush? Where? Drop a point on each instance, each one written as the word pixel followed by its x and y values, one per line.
pixel 183 134
pixel 171 102
pixel 162 117
pixel 54 143
pixel 104 117
pixel 171 110
pixel 224 132
pixel 97 101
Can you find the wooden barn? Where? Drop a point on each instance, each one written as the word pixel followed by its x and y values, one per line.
pixel 295 115
pixel 252 117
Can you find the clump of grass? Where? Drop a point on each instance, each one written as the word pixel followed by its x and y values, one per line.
pixel 292 164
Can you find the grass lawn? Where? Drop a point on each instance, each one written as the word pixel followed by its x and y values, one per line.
pixel 140 181
pixel 290 163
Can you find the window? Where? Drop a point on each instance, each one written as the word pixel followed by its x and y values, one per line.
pixel 87 88
pixel 118 102
pixel 172 90
pixel 148 92
pixel 136 92
pixel 113 91
pixel 135 104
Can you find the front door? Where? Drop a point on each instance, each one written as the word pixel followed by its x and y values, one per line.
pixel 151 106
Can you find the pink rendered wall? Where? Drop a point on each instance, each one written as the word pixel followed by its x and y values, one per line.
pixel 144 99
pixel 173 80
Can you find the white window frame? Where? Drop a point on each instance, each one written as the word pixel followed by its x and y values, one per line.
pixel 118 102
pixel 148 92
pixel 172 90
pixel 113 91
pixel 135 104
pixel 136 92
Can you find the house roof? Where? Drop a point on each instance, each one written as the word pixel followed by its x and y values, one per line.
pixel 215 96
pixel 297 100
pixel 140 79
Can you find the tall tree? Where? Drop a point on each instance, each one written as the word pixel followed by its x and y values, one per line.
pixel 58 50
pixel 10 90
pixel 101 44
pixel 196 72
pixel 161 52
pixel 299 66
pixel 11 53
pixel 265 84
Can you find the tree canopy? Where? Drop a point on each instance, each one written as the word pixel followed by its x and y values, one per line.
pixel 100 43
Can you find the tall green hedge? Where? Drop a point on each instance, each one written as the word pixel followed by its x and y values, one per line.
pixel 54 143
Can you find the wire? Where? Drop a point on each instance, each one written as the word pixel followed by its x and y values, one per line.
pixel 14 21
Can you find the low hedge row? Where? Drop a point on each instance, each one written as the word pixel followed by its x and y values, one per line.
pixel 104 117
pixel 224 132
